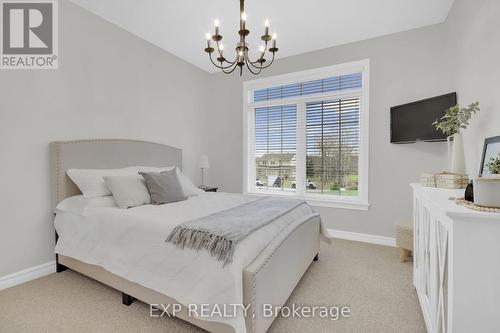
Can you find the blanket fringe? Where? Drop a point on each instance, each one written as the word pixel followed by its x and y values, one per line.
pixel 218 246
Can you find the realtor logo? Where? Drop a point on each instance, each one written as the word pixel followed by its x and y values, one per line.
pixel 29 34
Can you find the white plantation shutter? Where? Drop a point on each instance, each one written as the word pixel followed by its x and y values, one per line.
pixel 275 144
pixel 315 87
pixel 308 138
pixel 332 150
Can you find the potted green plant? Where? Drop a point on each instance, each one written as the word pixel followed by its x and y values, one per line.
pixel 487 188
pixel 455 120
pixel 494 165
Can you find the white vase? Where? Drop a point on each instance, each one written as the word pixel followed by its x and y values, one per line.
pixel 457 156
pixel 487 191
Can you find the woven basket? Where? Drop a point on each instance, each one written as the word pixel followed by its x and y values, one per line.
pixel 471 205
pixel 428 179
pixel 444 180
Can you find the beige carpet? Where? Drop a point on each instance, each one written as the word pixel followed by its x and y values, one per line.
pixel 368 278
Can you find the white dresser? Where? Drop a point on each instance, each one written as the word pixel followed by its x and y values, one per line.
pixel 456 264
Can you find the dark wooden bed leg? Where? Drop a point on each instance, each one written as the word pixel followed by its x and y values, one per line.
pixel 60 268
pixel 316 257
pixel 127 299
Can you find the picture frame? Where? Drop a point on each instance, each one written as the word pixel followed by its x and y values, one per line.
pixel 491 149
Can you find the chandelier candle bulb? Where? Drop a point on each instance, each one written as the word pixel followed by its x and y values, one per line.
pixel 243 20
pixel 275 36
pixel 266 24
pixel 209 38
pixel 216 23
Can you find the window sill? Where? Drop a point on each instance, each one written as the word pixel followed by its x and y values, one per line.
pixel 341 203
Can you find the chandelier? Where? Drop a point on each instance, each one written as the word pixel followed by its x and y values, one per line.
pixel 242 58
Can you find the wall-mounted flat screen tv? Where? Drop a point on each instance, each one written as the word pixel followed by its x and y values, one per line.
pixel 412 122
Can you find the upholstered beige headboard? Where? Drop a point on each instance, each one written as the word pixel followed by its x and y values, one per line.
pixel 103 154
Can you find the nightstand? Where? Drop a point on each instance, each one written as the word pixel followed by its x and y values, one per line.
pixel 209 189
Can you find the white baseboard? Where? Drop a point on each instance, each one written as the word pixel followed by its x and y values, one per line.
pixel 27 274
pixel 366 238
pixel 50 267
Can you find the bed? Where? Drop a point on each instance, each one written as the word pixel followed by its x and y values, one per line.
pixel 262 274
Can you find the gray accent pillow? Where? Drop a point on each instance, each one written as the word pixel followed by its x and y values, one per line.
pixel 128 191
pixel 164 187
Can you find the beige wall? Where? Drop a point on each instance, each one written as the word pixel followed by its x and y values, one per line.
pixel 473 45
pixel 460 55
pixel 404 67
pixel 110 84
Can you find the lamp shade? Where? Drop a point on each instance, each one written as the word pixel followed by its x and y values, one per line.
pixel 204 163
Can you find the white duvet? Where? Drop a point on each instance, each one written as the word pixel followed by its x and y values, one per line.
pixel 131 243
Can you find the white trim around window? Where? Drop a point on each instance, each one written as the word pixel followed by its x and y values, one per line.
pixel 359 202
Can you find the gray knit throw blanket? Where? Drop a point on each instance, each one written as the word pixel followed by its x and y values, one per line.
pixel 220 232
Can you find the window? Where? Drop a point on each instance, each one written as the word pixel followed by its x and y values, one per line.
pixel 307 135
pixel 332 146
pixel 275 146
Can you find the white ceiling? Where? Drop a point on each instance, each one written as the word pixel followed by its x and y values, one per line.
pixel 179 26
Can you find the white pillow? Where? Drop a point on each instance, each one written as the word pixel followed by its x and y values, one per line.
pixel 128 191
pixel 78 204
pixel 187 186
pixel 91 181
